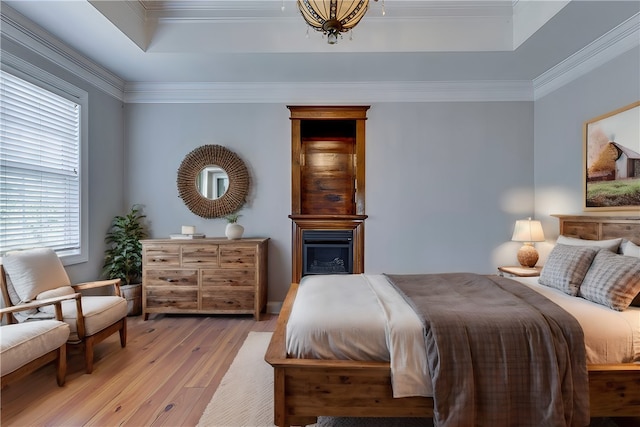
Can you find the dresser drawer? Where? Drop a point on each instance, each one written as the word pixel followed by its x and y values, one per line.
pixel 171 278
pixel 228 277
pixel 200 256
pixel 171 297
pixel 162 255
pixel 228 299
pixel 237 256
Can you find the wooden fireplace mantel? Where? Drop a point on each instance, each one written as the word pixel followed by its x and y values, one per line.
pixel 327 176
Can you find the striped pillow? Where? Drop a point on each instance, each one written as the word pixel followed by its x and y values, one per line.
pixel 612 280
pixel 566 266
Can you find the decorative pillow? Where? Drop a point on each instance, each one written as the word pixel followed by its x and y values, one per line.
pixel 57 292
pixel 34 271
pixel 630 249
pixel 611 244
pixel 566 266
pixel 612 280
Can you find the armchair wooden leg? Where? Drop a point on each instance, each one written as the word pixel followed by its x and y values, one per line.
pixel 88 355
pixel 123 333
pixel 61 365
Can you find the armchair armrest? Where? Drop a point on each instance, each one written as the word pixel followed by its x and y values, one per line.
pixel 99 283
pixel 57 301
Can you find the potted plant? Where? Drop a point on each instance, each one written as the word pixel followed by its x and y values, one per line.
pixel 234 230
pixel 123 256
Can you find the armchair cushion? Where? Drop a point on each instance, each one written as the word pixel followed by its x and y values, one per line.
pixel 23 342
pixel 99 312
pixel 36 271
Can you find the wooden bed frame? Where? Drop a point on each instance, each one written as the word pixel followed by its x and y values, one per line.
pixel 307 388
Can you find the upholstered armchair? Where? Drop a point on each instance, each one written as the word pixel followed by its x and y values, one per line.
pixel 36 274
pixel 27 346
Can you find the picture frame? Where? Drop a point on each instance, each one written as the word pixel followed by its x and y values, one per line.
pixel 611 160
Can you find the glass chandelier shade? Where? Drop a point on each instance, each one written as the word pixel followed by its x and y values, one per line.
pixel 332 17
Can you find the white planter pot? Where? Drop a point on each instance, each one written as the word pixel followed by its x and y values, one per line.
pixel 234 231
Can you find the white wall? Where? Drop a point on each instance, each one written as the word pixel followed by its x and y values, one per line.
pixel 559 140
pixel 445 181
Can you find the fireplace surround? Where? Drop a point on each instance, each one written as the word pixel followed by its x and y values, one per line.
pixel 327 189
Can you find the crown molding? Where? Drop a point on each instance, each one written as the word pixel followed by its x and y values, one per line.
pixel 24 32
pixel 333 93
pixel 619 40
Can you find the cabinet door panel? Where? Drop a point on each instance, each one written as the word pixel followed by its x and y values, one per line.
pixel 199 256
pixel 172 278
pixel 228 277
pixel 237 256
pixel 228 299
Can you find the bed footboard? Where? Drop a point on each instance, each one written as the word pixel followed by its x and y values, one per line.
pixel 614 390
pixel 305 389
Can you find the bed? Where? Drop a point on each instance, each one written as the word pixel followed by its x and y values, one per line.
pixel 306 388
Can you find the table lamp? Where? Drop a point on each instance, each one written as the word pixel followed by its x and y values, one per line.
pixel 528 231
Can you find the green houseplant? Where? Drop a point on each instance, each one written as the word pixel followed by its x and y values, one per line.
pixel 123 256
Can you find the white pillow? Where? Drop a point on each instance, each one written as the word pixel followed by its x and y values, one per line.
pixel 34 271
pixel 611 244
pixel 630 249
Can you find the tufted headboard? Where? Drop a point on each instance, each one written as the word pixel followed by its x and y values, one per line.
pixel 593 227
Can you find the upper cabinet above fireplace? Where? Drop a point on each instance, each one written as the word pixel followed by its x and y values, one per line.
pixel 328 160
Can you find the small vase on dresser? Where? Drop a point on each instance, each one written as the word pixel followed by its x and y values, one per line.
pixel 234 231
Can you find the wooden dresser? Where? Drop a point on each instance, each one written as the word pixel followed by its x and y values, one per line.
pixel 212 276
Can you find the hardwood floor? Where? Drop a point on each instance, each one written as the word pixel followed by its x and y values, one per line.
pixel 165 376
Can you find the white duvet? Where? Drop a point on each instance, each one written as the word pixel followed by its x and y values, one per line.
pixel 362 317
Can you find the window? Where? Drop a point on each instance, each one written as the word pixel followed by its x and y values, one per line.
pixel 41 140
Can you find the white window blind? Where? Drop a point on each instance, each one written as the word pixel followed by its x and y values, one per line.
pixel 39 168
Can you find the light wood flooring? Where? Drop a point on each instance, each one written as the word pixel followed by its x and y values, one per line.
pixel 165 376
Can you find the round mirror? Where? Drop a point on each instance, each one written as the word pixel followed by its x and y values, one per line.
pixel 213 181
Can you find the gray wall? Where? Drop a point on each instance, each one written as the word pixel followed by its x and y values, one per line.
pixel 445 181
pixel 106 166
pixel 559 141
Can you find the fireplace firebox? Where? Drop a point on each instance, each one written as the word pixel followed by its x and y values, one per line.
pixel 327 252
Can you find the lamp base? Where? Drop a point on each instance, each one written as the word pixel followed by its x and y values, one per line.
pixel 527 255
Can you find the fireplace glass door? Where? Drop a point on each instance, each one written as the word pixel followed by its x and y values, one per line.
pixel 327 252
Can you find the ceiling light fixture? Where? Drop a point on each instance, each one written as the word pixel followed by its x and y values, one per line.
pixel 332 17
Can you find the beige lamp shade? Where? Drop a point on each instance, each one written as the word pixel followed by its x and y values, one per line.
pixel 528 231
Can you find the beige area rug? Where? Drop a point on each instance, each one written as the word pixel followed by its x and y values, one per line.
pixel 245 396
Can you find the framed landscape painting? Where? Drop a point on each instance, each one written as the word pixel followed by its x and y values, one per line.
pixel 612 160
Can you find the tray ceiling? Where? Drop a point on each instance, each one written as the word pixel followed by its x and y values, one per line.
pixel 257 41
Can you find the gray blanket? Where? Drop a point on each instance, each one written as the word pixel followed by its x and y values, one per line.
pixel 499 353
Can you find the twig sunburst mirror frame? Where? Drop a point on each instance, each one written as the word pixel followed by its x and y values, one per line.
pixel 236 194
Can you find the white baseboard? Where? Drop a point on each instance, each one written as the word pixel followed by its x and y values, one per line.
pixel 274 307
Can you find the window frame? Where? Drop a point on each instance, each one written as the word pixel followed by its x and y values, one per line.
pixel 47 81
